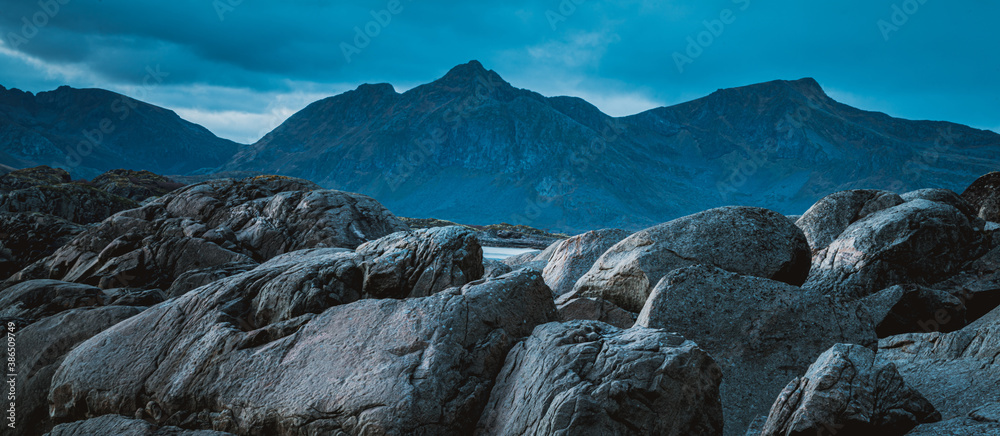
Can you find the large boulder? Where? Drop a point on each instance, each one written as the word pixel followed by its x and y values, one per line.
pixel 282 336
pixel 29 236
pixel 75 202
pixel 984 196
pixel 41 347
pixel 761 332
pixel 421 263
pixel 36 299
pixel 918 242
pixel 944 196
pixel 831 215
pixel 589 378
pixel 851 392
pixel 914 309
pixel 570 259
pixel 28 177
pixel 744 240
pixel 595 309
pixel 977 285
pixel 213 224
pixel 956 371
pixel 121 426
pixel 136 185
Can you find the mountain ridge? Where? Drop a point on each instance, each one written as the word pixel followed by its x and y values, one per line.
pixel 470 147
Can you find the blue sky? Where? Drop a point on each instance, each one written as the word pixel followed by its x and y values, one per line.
pixel 240 67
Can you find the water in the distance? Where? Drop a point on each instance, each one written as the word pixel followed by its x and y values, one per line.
pixel 500 253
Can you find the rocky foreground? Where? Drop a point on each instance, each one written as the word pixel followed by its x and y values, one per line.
pixel 269 306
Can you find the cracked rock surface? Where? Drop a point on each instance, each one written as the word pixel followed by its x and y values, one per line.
pixel 744 240
pixel 590 378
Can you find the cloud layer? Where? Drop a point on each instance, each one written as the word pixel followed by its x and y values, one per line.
pixel 240 67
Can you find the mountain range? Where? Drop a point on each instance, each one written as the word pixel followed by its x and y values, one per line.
pixel 470 147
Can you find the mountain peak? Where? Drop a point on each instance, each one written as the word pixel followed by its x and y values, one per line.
pixel 470 69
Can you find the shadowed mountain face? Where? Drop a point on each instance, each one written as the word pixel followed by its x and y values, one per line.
pixel 470 147
pixel 90 131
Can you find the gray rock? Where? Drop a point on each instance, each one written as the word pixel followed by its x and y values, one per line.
pixel 918 242
pixel 957 427
pixel 37 299
pixel 121 426
pixel 589 378
pixel 522 259
pixel 196 278
pixel 494 268
pixel 944 196
pixel 570 259
pixel 30 177
pixel 833 214
pixel 977 285
pixel 745 240
pixel 213 224
pixel 595 309
pixel 849 391
pixel 761 332
pixel 41 347
pixel 956 371
pixel 28 237
pixel 134 297
pixel 415 366
pixel 987 413
pixel 984 196
pixel 74 202
pixel 421 263
pixel 914 309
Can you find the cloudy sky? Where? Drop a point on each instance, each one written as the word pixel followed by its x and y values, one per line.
pixel 240 67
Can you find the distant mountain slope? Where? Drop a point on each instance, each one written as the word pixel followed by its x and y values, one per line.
pixel 89 131
pixel 471 148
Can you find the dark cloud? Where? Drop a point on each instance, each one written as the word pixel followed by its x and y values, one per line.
pixel 253 59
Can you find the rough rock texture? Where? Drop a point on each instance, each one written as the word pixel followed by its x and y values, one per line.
pixel 831 215
pixel 28 177
pixel 956 371
pixel 589 378
pixel 213 224
pixel 745 240
pixel 495 268
pixel 848 391
pixel 121 426
pixel 957 427
pixel 978 284
pixel 41 348
pixel 196 278
pixel 136 185
pixel 595 309
pixel 522 259
pixel 421 263
pixel 761 332
pixel 75 202
pixel 570 259
pixel 942 196
pixel 984 196
pixel 36 299
pixel 27 237
pixel 134 297
pixel 914 309
pixel 917 242
pixel 208 359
